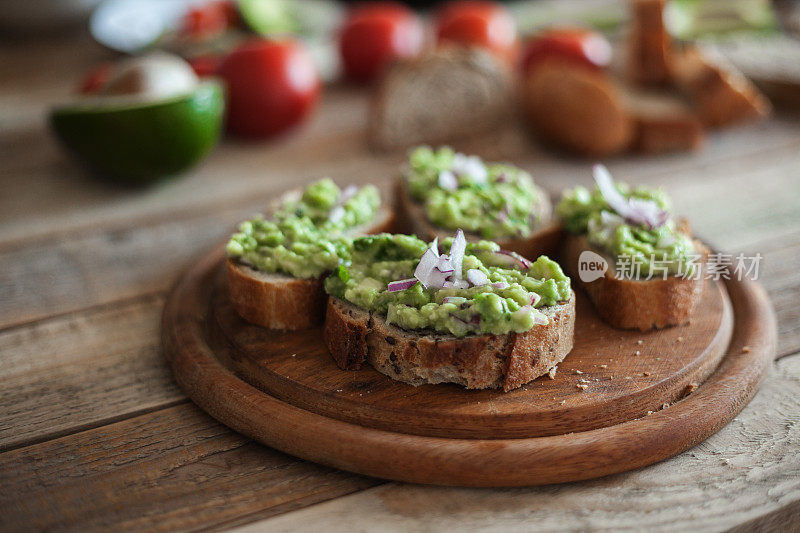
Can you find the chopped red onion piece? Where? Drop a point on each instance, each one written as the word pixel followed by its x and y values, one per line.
pixel 437 279
pixel 448 180
pixel 401 285
pixel 447 285
pixel 636 210
pixel 336 214
pixel 457 250
pixel 347 193
pixel 471 166
pixel 477 277
pixel 426 266
pixel 500 285
pixel 451 299
pixel 535 298
pixel 513 258
pixel 476 319
pixel 461 284
pixel 444 264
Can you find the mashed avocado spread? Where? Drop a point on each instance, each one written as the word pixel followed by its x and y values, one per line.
pixel 308 236
pixel 508 298
pixel 492 200
pixel 655 250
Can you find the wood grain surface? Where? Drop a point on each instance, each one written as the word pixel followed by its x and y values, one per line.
pixel 85 267
pixel 379 443
pixel 626 374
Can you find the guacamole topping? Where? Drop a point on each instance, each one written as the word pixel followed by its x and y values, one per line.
pixel 307 236
pixel 629 222
pixel 475 289
pixel 492 200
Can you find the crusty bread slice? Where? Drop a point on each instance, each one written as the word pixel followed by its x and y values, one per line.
pixel 279 301
pixel 543 241
pixel 450 93
pixel 577 108
pixel 719 92
pixel 649 48
pixel 508 361
pixel 634 304
pixel 664 122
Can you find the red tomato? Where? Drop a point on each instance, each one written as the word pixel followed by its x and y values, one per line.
pixel 486 24
pixel 376 34
pixel 580 46
pixel 205 65
pixel 271 86
pixel 96 79
pixel 209 19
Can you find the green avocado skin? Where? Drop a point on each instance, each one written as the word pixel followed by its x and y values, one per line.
pixel 143 143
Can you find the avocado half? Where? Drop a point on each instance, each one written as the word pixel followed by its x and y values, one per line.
pixel 140 142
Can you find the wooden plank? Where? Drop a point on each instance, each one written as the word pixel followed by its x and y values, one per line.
pixel 748 470
pixel 173 469
pixel 70 272
pixel 58 195
pixel 74 372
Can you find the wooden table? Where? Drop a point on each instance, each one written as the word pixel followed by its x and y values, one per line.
pixel 94 433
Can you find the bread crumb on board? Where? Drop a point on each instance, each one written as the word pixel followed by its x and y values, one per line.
pixel 578 371
pixel 582 386
pixel 639 342
pixel 552 373
pixel 746 349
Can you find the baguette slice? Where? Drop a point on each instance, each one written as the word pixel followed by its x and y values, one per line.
pixel 577 108
pixel 280 301
pixel 649 51
pixel 664 122
pixel 634 304
pixel 543 241
pixel 508 361
pixel 451 93
pixel 719 92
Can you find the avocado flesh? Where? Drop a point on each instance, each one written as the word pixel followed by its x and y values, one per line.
pixel 142 142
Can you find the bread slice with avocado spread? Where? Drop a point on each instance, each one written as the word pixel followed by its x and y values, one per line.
pixel 480 317
pixel 442 190
pixel 275 266
pixel 652 271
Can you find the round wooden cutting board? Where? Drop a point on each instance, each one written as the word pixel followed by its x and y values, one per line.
pixel 619 401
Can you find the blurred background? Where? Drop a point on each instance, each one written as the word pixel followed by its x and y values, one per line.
pixel 121 104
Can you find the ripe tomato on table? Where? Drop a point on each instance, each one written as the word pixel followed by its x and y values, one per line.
pixel 374 35
pixel 272 85
pixel 479 23
pixel 576 45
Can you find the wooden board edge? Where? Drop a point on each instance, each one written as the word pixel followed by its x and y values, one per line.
pixel 469 462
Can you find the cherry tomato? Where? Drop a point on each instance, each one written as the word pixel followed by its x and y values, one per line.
pixel 96 79
pixel 486 24
pixel 376 34
pixel 205 65
pixel 209 19
pixel 577 45
pixel 272 85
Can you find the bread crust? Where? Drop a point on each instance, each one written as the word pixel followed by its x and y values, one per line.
pixel 355 336
pixel 719 92
pixel 543 241
pixel 577 108
pixel 650 53
pixel 275 301
pixel 279 301
pixel 442 95
pixel 634 304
